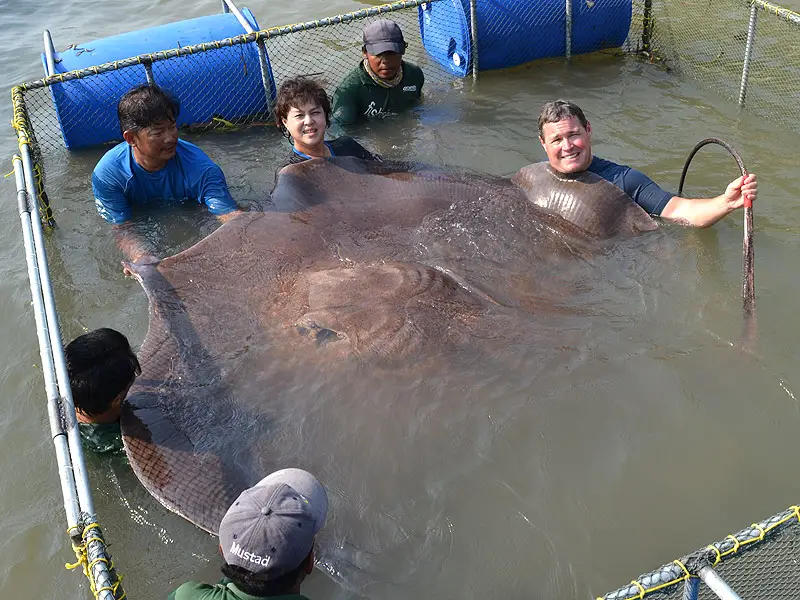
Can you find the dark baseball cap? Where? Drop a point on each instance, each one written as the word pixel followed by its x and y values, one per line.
pixel 270 528
pixel 383 36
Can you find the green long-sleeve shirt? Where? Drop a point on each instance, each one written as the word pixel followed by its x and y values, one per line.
pixel 359 98
pixel 224 590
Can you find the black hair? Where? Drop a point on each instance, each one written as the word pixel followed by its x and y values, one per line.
pixel 257 584
pixel 555 111
pixel 101 365
pixel 297 91
pixel 144 106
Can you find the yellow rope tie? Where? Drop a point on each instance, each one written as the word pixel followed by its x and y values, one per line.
pixel 736 545
pixel 796 510
pixel 83 561
pixel 224 122
pixel 685 570
pixel 642 591
pixel 718 557
pixel 760 530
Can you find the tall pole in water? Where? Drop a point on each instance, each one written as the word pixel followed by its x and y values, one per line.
pixel 473 29
pixel 262 50
pixel 647 26
pixel 568 30
pixel 748 52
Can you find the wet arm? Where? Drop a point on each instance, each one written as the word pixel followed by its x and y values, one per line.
pixel 133 244
pixel 704 212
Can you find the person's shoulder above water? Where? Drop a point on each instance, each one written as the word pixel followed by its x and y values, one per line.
pixel 224 590
pixel 347 146
pixel 189 151
pixel 412 76
pixel 102 438
pixel 642 190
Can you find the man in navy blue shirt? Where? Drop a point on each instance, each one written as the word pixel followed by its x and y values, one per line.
pixel 153 165
pixel 566 137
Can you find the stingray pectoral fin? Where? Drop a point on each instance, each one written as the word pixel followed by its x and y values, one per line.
pixel 199 486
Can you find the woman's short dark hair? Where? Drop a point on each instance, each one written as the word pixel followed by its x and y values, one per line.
pixel 296 92
pixel 100 365
pixel 256 584
pixel 557 110
pixel 144 106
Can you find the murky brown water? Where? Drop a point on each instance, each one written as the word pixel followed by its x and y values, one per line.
pixel 654 438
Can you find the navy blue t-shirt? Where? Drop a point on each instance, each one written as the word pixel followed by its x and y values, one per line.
pixel 636 184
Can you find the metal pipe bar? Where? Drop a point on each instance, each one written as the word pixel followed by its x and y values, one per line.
pixel 568 30
pixel 647 26
pixel 148 73
pixel 262 51
pixel 787 15
pixel 717 584
pixel 473 31
pixel 78 504
pixel 49 53
pixel 748 52
pixel 98 557
pixel 691 589
pixel 264 34
pixel 57 352
pixel 60 442
pixel 232 8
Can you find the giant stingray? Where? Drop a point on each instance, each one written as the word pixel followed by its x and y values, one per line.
pixel 380 269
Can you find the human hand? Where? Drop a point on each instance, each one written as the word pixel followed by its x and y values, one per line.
pixel 741 191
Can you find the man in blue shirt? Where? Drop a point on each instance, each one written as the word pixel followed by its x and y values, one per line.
pixel 153 165
pixel 566 137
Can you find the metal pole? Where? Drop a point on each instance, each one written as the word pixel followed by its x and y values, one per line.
pixel 691 589
pixel 748 52
pixel 717 585
pixel 262 50
pixel 75 490
pixel 148 73
pixel 568 32
pixel 56 351
pixel 68 491
pixel 49 53
pixel 647 26
pixel 473 31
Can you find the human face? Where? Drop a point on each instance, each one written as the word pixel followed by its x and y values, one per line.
pixel 568 145
pixel 306 124
pixel 386 64
pixel 154 146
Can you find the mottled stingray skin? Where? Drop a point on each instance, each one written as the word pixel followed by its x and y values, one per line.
pixel 350 265
pixel 588 201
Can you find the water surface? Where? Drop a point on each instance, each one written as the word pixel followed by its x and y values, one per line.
pixel 559 480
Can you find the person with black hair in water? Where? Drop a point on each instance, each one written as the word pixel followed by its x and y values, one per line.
pixel 101 368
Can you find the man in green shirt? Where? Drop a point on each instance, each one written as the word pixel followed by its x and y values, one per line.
pixel 383 83
pixel 101 368
pixel 267 540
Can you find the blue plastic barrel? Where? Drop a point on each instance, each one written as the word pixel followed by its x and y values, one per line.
pixel 513 32
pixel 222 82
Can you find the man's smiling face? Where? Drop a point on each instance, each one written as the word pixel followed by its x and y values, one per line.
pixel 568 145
